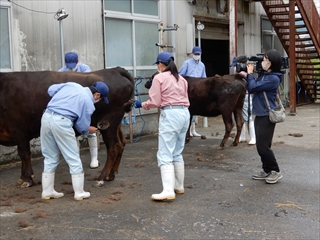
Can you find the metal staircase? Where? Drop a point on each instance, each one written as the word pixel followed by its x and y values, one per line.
pixel 307 39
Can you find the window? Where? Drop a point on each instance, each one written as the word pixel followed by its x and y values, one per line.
pixel 270 39
pixel 5 38
pixel 130 34
pixel 149 7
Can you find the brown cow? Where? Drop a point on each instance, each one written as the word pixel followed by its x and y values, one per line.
pixel 210 97
pixel 23 98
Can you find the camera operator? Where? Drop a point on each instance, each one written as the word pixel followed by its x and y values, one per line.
pixel 268 82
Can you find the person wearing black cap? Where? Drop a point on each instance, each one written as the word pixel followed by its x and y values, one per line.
pixel 71 105
pixel 193 67
pixel 169 91
pixel 74 65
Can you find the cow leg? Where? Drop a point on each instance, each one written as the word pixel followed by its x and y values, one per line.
pixel 239 123
pixel 188 137
pixel 114 144
pixel 227 119
pixel 26 179
pixel 122 144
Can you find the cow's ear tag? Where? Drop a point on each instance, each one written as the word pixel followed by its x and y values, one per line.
pixel 103 125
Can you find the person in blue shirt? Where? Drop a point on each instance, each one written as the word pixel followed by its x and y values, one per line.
pixel 71 105
pixel 193 67
pixel 267 82
pixel 74 65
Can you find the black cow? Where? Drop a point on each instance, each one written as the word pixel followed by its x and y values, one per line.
pixel 210 97
pixel 23 98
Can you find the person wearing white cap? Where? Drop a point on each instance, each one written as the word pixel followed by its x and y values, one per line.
pixel 71 105
pixel 193 67
pixel 74 65
pixel 169 91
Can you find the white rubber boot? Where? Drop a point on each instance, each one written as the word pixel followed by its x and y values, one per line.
pixel 77 184
pixel 92 141
pixel 167 177
pixel 48 187
pixel 252 133
pixel 179 177
pixel 243 133
pixel 193 130
pixel 78 141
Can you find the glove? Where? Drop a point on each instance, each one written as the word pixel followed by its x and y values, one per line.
pixel 137 104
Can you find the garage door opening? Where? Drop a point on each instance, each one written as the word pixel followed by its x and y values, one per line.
pixel 215 56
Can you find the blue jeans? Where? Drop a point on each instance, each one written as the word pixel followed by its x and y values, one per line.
pixel 173 126
pixel 57 135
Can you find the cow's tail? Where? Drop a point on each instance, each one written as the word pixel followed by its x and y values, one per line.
pixel 128 105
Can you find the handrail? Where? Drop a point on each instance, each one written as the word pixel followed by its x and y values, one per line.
pixel 312 20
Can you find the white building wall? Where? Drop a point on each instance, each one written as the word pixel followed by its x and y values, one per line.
pixel 36 39
pixel 36 34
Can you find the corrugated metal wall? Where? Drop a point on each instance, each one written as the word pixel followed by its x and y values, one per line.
pixel 36 34
pixel 36 38
pixel 36 41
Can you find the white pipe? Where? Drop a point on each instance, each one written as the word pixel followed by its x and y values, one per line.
pixel 204 119
pixel 61 43
pixel 172 33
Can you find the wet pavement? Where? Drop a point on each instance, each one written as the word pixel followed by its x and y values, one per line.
pixel 221 201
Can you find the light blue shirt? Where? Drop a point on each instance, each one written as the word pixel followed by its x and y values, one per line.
pixel 81 67
pixel 74 102
pixel 191 68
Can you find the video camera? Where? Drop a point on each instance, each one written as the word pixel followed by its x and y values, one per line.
pixel 241 63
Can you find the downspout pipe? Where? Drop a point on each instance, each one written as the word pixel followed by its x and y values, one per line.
pixel 171 23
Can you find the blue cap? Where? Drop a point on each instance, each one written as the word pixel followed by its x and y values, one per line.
pixel 196 50
pixel 164 57
pixel 71 59
pixel 234 62
pixel 103 89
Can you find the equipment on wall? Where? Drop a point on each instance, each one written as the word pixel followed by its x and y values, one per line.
pixel 162 30
pixel 60 15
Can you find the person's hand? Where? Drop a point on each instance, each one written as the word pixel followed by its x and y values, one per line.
pixel 92 129
pixel 137 104
pixel 243 73
pixel 250 68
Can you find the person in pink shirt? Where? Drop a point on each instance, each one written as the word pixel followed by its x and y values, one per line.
pixel 169 91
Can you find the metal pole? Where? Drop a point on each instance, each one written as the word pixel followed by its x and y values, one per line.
pixel 233 30
pixel 292 58
pixel 172 34
pixel 204 119
pixel 61 43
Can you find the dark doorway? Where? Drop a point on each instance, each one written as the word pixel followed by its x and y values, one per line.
pixel 215 56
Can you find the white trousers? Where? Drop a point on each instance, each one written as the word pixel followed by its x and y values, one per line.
pixel 57 135
pixel 173 126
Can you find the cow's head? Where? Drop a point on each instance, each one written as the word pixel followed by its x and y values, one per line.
pixel 149 82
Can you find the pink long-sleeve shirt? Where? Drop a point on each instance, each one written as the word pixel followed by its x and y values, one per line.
pixel 166 91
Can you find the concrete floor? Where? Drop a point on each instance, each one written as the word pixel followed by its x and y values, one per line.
pixel 221 201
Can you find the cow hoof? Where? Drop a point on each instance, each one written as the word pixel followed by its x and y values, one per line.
pixel 99 184
pixel 24 184
pixel 111 177
pixel 220 148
